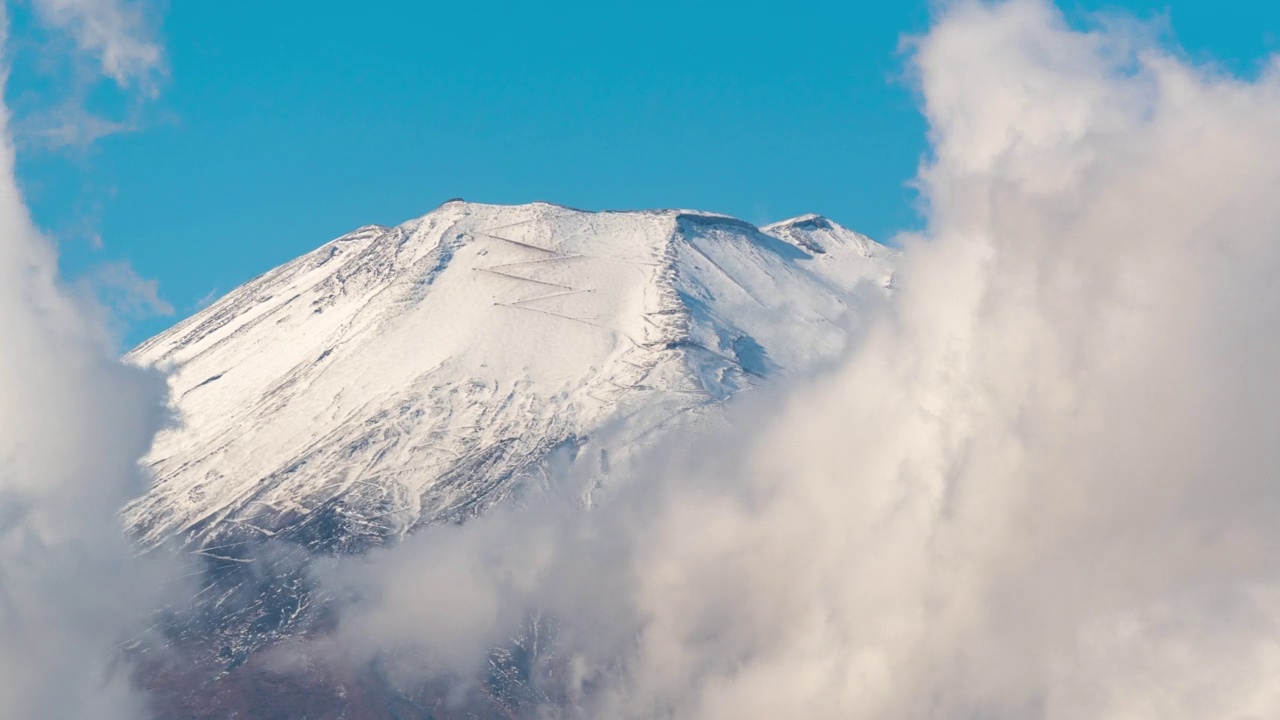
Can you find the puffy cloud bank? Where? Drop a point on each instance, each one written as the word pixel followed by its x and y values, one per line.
pixel 1045 485
pixel 73 423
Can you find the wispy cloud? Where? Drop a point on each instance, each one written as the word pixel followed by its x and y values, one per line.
pixel 105 40
pixel 120 34
pixel 207 299
pixel 68 126
pixel 120 288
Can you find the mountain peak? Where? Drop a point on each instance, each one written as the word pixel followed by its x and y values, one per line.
pixel 820 235
pixel 418 374
pixel 808 220
pixel 421 372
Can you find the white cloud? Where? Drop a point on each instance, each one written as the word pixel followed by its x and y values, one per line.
pixel 69 125
pixel 1044 486
pixel 119 33
pixel 207 299
pixel 73 423
pixel 120 289
pixel 112 39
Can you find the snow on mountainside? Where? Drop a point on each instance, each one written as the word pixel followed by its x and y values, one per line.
pixel 415 374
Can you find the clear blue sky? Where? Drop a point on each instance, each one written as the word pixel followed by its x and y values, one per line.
pixel 282 125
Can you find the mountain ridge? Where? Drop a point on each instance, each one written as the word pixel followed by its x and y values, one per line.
pixel 540 261
pixel 397 377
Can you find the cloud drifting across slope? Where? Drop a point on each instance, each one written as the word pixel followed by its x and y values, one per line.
pixel 1043 486
pixel 73 423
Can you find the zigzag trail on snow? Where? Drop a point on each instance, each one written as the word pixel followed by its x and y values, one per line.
pixel 397 377
pixel 420 373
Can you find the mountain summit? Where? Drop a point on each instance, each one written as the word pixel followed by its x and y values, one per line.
pixel 420 373
pixel 397 377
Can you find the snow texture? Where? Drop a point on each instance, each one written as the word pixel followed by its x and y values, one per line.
pixel 418 374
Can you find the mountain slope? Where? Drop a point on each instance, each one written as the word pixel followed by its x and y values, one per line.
pixel 416 374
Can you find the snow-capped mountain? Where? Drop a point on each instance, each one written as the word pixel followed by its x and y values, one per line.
pixel 417 374
pixel 420 373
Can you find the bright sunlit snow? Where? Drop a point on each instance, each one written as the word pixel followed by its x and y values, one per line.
pixel 420 373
